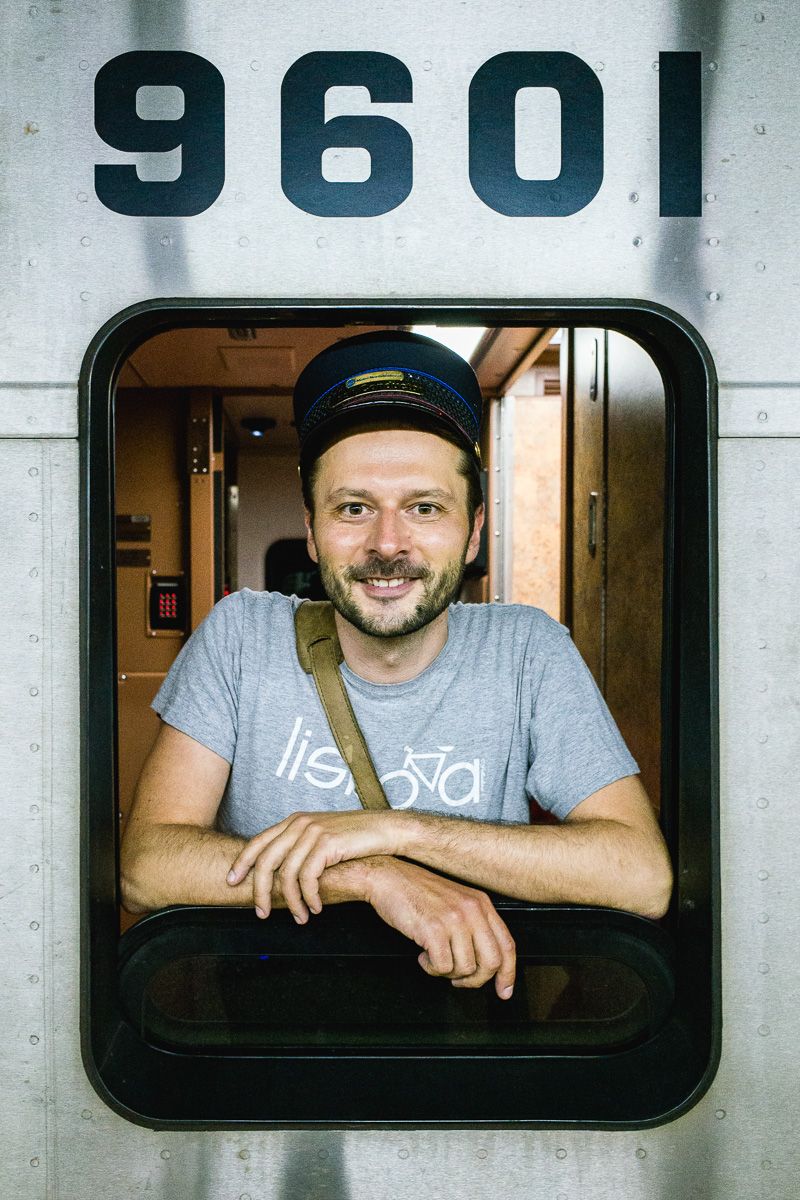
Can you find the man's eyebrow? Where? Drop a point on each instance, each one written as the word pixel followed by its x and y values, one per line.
pixel 434 493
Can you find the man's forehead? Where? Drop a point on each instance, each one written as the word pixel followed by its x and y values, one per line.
pixel 391 454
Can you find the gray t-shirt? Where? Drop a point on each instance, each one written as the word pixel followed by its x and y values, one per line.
pixel 507 711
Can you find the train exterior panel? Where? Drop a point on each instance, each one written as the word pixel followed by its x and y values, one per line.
pixel 72 263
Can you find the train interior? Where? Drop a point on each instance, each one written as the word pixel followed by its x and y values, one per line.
pixel 207 501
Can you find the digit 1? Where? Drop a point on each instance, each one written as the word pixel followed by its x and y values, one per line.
pixel 492 134
pixel 680 134
pixel 200 133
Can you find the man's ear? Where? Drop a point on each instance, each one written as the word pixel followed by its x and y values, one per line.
pixel 310 543
pixel 475 537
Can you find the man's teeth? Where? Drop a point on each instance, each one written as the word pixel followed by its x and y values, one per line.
pixel 386 583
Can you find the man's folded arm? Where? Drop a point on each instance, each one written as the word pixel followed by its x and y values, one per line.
pixel 609 851
pixel 171 853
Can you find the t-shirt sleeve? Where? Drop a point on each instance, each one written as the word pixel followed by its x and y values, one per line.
pixel 576 748
pixel 200 695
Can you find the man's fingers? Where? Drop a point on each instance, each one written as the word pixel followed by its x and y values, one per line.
pixel 437 957
pixel 465 960
pixel 507 971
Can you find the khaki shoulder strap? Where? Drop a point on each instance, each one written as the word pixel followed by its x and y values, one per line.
pixel 319 653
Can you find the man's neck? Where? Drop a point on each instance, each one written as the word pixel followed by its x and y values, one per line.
pixel 391 660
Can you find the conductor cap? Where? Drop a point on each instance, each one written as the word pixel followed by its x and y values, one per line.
pixel 381 374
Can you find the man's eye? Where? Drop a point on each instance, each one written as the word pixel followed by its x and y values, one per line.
pixel 353 510
pixel 426 509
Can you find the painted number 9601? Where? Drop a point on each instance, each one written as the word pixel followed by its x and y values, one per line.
pixel 306 134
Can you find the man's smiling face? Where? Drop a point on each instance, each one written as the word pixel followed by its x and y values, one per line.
pixel 390 530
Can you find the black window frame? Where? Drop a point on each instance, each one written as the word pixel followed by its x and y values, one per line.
pixel 661 1079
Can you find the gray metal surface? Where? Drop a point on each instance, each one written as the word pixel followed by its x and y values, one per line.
pixel 69 264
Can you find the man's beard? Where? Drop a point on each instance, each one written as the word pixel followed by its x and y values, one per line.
pixel 438 592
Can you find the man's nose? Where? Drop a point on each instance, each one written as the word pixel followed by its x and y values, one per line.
pixel 389 534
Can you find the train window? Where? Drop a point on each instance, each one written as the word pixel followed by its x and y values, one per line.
pixel 598 480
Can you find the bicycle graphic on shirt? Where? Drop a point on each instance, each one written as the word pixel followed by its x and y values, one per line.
pixel 427 769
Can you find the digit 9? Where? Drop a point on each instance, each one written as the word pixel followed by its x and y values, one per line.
pixel 200 133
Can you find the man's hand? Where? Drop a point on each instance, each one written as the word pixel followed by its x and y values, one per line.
pixel 300 848
pixel 462 936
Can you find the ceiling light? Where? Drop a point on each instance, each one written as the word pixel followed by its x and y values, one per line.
pixel 461 338
pixel 258 426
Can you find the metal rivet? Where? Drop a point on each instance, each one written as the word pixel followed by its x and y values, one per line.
pixel 85 296
pixel 762 644
pixel 762 416
pixel 641 1152
pixel 759 18
pixel 245 1196
pixel 83 64
pixel 244 241
pixel 478 241
pixel 33 516
pixel 34 925
pixel 714 241
pixel 762 875
pixel 760 266
pixel 720 1114
pixel 239 197
pixel 86 1113
pixel 497 597
pixel 33 637
pixel 711 197
pixel 34 1162
pixel 33 470
pixel 656 66
pixel 86 241
pixel 762 802
pixel 637 241
pixel 713 295
pixel 33 979
pixel 482 1154
pixel 32 262
pixel 760 128
pixel 762 741
pixel 33 1039
pixel 634 197
pixel 402 1154
pixel 497 533
pixel 166 240
pixel 34 868
pixel 165 1154
pixel 400 241
pixel 33 11
pixel 763 918
pixel 426 66
pixel 34 808
pixel 123 677
pixel 763 687
pixel 763 968
pixel 760 464
pixel 255 65
pixel 712 66
pixel 561 1153
pixel 764 1031
pixel 34 747
pixel 599 66
pixel 323 1154
pixel 766 1164
pixel 82 197
pixel 244 1154
pixel 33 573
